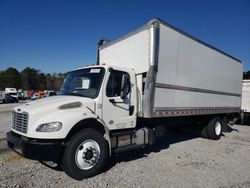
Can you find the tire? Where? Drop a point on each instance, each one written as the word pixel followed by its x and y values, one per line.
pixel 85 154
pixel 204 132
pixel 224 123
pixel 214 129
pixel 242 118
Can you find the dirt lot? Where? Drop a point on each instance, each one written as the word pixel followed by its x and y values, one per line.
pixel 181 159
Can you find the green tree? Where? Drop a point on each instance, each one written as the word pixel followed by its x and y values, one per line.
pixel 2 80
pixel 11 78
pixel 49 81
pixel 57 81
pixel 42 81
pixel 30 78
pixel 246 75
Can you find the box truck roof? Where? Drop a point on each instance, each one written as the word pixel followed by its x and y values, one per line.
pixel 138 30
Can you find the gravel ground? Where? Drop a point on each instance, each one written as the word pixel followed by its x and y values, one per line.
pixel 180 159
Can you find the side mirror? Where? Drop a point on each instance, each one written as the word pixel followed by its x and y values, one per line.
pixel 125 86
pixel 123 95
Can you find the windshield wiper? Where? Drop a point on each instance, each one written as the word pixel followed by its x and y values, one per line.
pixel 76 94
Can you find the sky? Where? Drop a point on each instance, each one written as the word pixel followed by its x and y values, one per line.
pixel 59 35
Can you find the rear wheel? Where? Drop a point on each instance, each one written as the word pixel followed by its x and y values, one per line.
pixel 85 154
pixel 214 129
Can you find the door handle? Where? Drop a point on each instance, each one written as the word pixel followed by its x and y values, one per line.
pixel 131 110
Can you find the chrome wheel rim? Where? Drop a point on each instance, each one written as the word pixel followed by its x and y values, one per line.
pixel 218 128
pixel 87 154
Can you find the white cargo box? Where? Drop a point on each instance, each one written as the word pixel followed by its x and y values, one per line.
pixel 191 77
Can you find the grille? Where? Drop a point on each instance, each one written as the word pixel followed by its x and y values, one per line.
pixel 20 121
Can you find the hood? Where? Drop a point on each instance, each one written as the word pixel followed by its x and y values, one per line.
pixel 47 110
pixel 52 103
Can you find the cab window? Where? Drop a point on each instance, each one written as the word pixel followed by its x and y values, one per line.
pixel 114 86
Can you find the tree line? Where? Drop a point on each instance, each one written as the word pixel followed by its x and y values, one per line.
pixel 30 78
pixel 246 75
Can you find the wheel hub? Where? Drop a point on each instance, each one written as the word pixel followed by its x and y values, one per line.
pixel 87 154
pixel 218 128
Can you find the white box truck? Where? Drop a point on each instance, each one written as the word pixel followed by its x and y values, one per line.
pixel 10 95
pixel 152 77
pixel 245 102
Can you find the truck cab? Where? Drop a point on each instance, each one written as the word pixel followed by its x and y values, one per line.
pixel 74 127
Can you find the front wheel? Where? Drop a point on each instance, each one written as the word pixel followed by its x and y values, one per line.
pixel 85 154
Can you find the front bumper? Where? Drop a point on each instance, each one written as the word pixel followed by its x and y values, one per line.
pixel 36 149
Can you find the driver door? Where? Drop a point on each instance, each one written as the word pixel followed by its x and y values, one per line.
pixel 119 100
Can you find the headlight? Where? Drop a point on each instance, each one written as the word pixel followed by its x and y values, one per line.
pixel 49 127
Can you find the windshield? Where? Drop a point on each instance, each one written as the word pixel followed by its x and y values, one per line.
pixel 83 83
